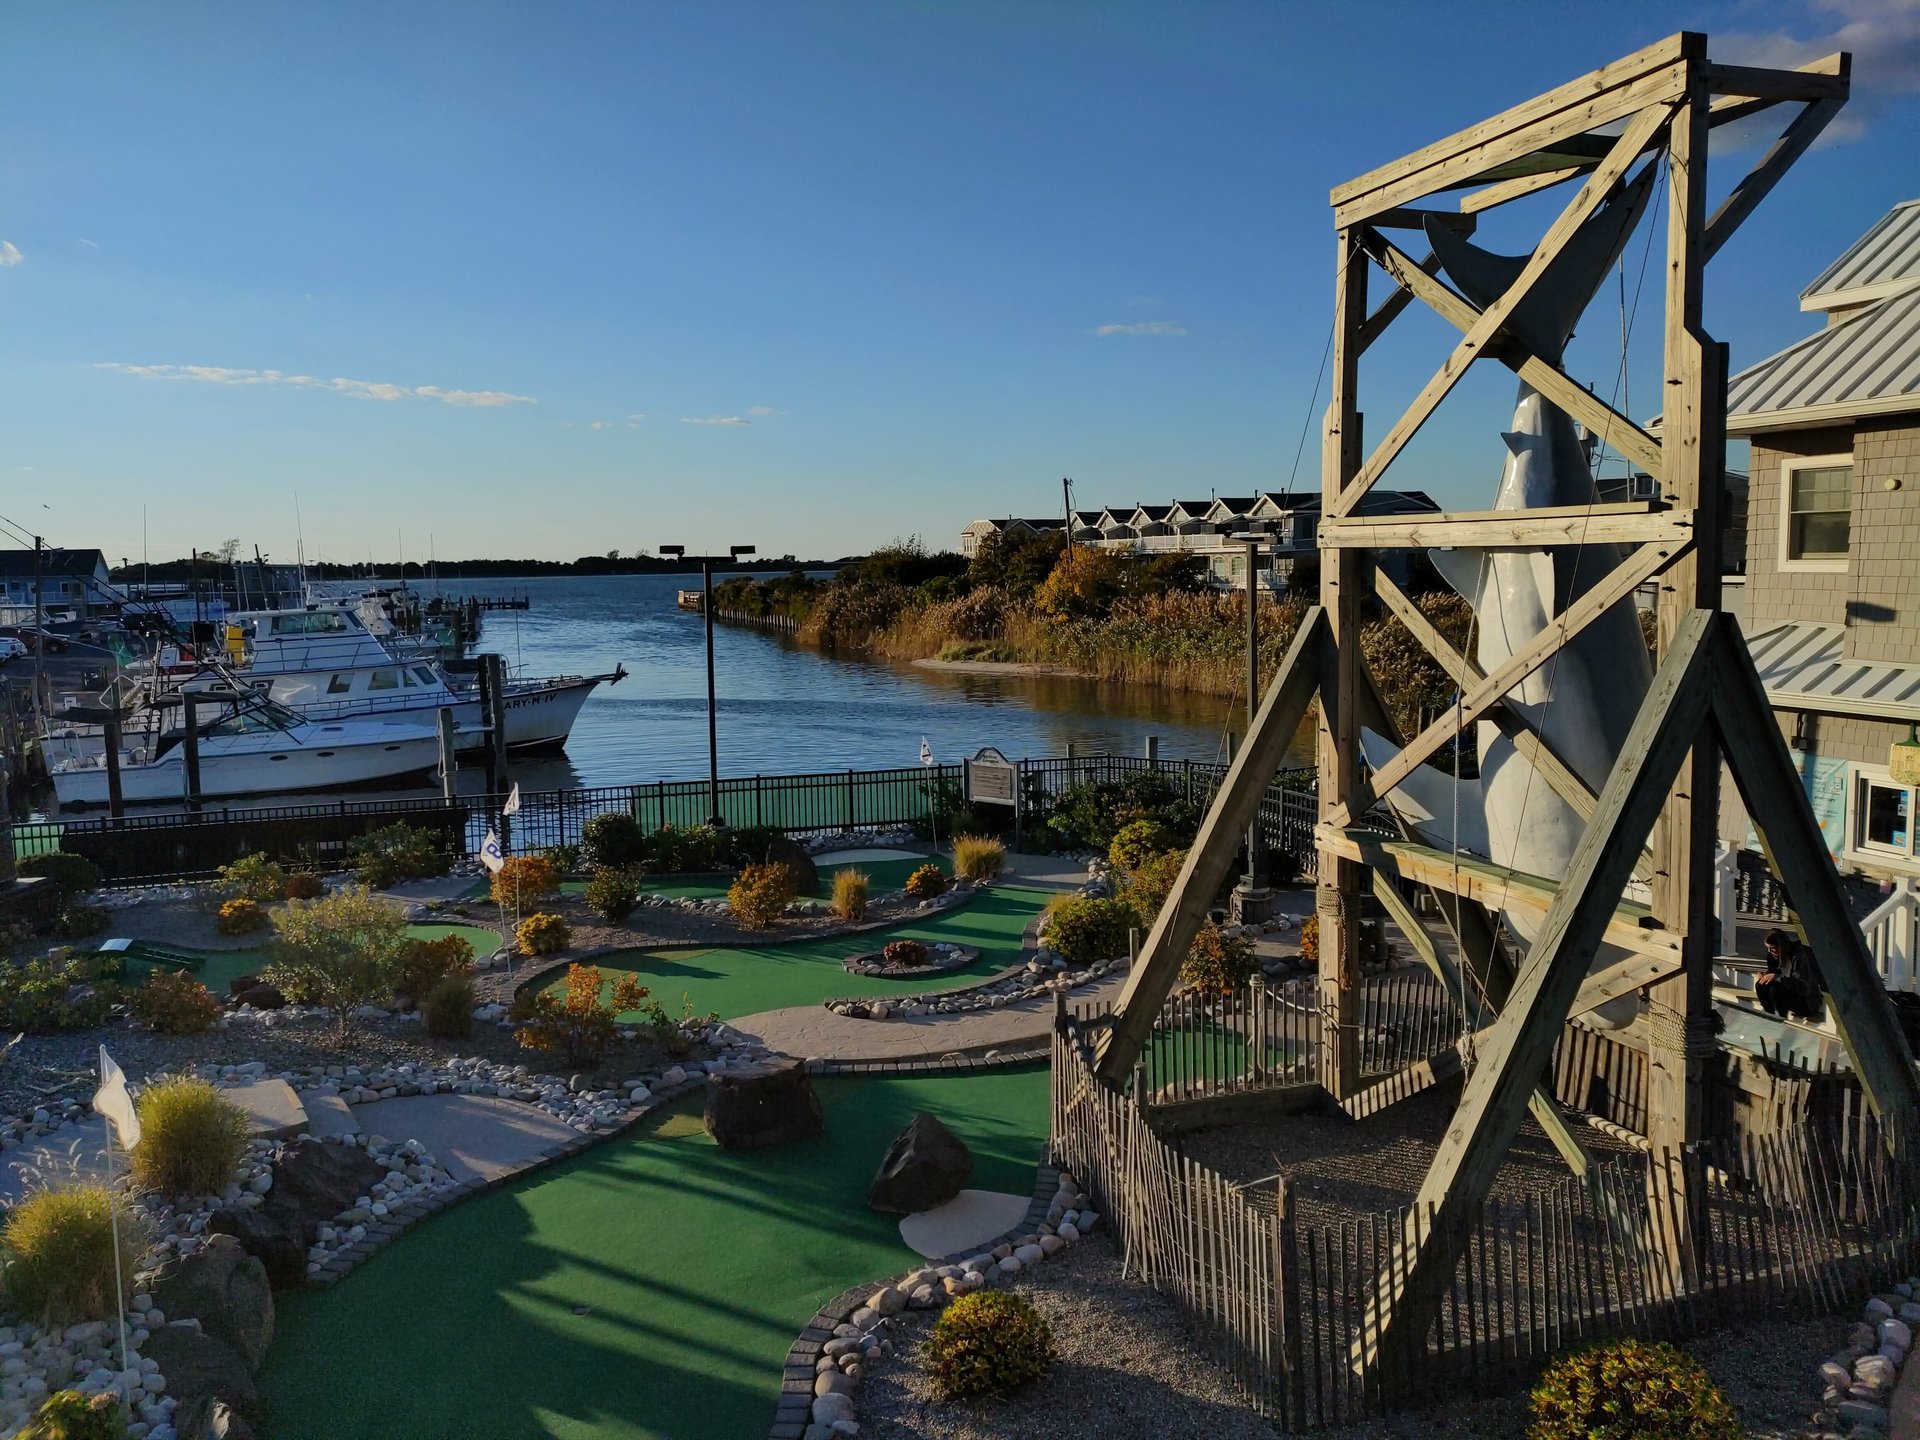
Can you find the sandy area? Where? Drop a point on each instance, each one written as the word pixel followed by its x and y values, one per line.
pixel 997 667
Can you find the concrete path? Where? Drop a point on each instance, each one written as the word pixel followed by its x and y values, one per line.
pixel 970 1219
pixel 475 1136
pixel 813 1032
pixel 73 1152
pixel 1044 872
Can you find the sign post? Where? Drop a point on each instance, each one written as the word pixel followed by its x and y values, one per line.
pixel 989 778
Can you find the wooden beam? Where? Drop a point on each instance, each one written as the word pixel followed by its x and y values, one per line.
pixel 1632 522
pixel 1389 309
pixel 1550 380
pixel 1623 977
pixel 1524 185
pixel 1622 581
pixel 1760 180
pixel 1826 79
pixel 1519 1045
pixel 1646 77
pixel 1211 856
pixel 1405 218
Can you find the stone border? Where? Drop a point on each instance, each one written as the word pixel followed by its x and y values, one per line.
pixel 794 1410
pixel 1859 1380
pixel 872 964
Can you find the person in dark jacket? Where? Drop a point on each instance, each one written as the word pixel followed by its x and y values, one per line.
pixel 1788 986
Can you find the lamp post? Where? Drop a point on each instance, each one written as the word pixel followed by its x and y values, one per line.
pixel 707 562
pixel 1252 901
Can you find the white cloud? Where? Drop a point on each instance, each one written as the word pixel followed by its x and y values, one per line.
pixel 9 254
pixel 636 419
pixel 1144 327
pixel 715 420
pixel 86 244
pixel 761 411
pixel 340 385
pixel 1884 36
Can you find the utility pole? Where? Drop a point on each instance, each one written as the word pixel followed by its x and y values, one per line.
pixel 1066 502
pixel 39 628
pixel 707 562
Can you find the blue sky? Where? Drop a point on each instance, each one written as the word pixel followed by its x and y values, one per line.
pixel 553 279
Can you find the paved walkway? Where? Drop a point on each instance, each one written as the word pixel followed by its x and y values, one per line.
pixel 477 1137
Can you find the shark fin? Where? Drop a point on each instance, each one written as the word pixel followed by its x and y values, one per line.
pixel 1465 570
pixel 1430 801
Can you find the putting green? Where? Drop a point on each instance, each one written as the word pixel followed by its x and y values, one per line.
pixel 744 980
pixel 220 967
pixel 647 1290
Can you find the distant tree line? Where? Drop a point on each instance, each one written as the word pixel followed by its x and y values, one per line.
pixel 216 565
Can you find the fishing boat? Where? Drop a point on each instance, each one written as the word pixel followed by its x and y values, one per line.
pixel 247 745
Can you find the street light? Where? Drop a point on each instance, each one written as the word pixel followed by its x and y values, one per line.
pixel 1252 900
pixel 707 562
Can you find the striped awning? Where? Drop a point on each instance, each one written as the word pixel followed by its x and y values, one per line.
pixel 1803 667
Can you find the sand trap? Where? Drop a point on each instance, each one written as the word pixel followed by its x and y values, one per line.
pixel 965 1222
pixel 856 857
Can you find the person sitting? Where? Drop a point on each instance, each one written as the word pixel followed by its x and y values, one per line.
pixel 1788 987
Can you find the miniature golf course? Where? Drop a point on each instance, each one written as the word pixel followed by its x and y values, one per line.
pixel 218 967
pixel 882 876
pixel 646 1290
pixel 744 980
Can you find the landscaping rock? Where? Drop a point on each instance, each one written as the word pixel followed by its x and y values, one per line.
pixel 268 1240
pixel 201 1371
pixel 216 1420
pixel 770 1102
pixel 226 1289
pixel 314 1182
pixel 260 996
pixel 793 855
pixel 927 1165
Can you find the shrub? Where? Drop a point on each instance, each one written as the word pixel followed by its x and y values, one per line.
pixel 448 1009
pixel 1630 1390
pixel 1093 812
pixel 80 922
pixel 1218 964
pixel 1310 940
pixel 978 858
pixel 904 952
pixel 672 850
pixel 425 963
pixel 55 992
pixel 576 1024
pixel 174 1003
pixel 1138 841
pixel 542 934
pixel 70 1415
pixel 988 1343
pixel 59 1247
pixel 760 895
pixel 926 882
pixel 394 854
pixel 304 885
pixel 564 858
pixel 340 952
pixel 614 891
pixel 240 917
pixel 1086 930
pixel 253 877
pixel 71 875
pixel 191 1137
pixel 850 894
pixel 614 838
pixel 1149 885
pixel 749 844
pixel 523 881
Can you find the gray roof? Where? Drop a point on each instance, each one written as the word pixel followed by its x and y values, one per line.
pixel 1880 261
pixel 1804 667
pixel 1868 363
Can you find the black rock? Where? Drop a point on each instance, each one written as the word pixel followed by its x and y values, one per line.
pixel 315 1181
pixel 201 1370
pixel 268 1240
pixel 226 1290
pixel 750 1107
pixel 784 851
pixel 260 996
pixel 927 1165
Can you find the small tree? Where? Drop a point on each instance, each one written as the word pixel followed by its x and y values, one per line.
pixel 341 951
pixel 577 1023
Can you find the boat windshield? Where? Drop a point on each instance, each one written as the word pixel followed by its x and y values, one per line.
pixel 308 622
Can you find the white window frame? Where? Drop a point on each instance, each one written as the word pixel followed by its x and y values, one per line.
pixel 1880 857
pixel 1823 564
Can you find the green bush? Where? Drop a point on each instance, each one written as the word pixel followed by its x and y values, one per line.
pixel 80 922
pixel 340 952
pixel 1092 812
pixel 564 858
pixel 614 891
pixel 59 1247
pixel 425 963
pixel 70 1415
pixel 191 1137
pixel 760 895
pixel 394 854
pixel 1630 1390
pixel 988 1343
pixel 749 844
pixel 1138 841
pixel 1086 930
pixel 672 850
pixel 174 1003
pixel 448 1009
pixel 253 877
pixel 1218 964
pixel 56 992
pixel 614 838
pixel 926 882
pixel 240 917
pixel 72 875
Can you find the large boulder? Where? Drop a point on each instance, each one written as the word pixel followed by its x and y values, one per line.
pixel 201 1371
pixel 226 1290
pixel 268 1240
pixel 927 1165
pixel 784 850
pixel 315 1181
pixel 770 1102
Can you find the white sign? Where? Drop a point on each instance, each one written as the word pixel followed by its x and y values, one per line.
pixel 992 779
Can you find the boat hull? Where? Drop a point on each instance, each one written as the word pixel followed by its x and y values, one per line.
pixel 230 774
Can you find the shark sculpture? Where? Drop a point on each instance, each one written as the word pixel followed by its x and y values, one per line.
pixel 1584 700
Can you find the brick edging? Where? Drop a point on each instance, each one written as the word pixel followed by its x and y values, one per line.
pixel 794 1409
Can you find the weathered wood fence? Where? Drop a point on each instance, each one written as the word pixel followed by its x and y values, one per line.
pixel 1805 1221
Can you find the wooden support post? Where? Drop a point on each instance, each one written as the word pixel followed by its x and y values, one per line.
pixel 116 797
pixel 449 756
pixel 190 713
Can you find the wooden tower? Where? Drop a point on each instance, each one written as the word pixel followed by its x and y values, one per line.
pixel 1656 813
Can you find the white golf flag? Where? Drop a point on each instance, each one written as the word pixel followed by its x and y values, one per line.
pixel 490 855
pixel 926 751
pixel 512 807
pixel 113 1101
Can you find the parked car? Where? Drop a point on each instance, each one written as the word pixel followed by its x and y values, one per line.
pixel 35 639
pixel 11 649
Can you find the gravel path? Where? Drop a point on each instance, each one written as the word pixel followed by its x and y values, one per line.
pixel 1129 1366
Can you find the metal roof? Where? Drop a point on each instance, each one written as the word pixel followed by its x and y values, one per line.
pixel 1867 364
pixel 1884 259
pixel 1803 667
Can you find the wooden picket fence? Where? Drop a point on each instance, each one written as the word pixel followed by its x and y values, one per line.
pixel 1806 1221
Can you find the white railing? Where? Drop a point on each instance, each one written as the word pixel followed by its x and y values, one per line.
pixel 1890 930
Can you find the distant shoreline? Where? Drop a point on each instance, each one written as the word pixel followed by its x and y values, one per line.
pixel 1001 667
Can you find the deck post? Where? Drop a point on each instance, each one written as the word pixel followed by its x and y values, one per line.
pixel 449 762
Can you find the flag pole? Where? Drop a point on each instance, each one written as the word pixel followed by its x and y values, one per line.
pixel 113 1225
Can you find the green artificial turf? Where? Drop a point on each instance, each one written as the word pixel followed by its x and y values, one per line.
pixel 744 980
pixel 218 968
pixel 645 1291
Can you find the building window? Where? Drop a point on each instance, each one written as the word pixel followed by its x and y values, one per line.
pixel 1881 822
pixel 1815 518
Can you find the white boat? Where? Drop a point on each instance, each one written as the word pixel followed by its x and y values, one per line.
pixel 323 663
pixel 248 746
